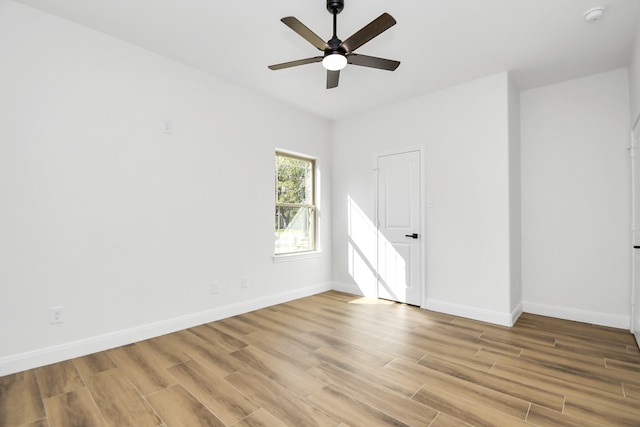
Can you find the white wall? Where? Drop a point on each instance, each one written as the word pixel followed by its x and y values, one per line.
pixel 122 224
pixel 575 199
pixel 634 79
pixel 465 133
pixel 515 200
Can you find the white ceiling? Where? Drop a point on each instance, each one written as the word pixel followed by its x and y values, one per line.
pixel 440 43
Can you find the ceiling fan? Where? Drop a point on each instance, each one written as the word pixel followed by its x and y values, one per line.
pixel 338 53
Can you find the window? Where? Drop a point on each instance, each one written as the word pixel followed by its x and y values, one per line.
pixel 295 221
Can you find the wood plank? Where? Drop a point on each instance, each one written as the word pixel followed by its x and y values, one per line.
pixel 296 312
pixel 522 340
pixel 39 423
pixel 302 339
pixel 141 369
pixel 282 348
pixel 567 328
pixel 93 364
pixel 337 347
pixel 582 365
pixel 282 316
pixel 179 408
pixel 467 389
pixel 368 391
pixel 632 369
pixel 618 412
pixel 218 338
pixel 467 356
pixel 444 420
pixel 541 416
pixel 405 348
pixel 351 411
pixel 296 381
pixel 58 378
pixel 233 326
pixel 283 404
pixel 214 359
pixel 162 352
pixel 461 342
pixel 474 413
pixel 596 348
pixel 119 402
pixel 631 392
pixel 556 375
pixel 568 360
pixel 75 408
pixel 385 378
pixel 364 339
pixel 553 384
pixel 494 382
pixel 263 320
pixel 226 402
pixel 20 401
pixel 260 418
pixel 373 325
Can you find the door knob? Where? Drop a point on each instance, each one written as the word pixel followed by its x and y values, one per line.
pixel 413 236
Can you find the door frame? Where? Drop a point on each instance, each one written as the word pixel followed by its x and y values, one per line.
pixel 635 145
pixel 422 204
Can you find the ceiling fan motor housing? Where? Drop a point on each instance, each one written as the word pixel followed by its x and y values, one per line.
pixel 335 6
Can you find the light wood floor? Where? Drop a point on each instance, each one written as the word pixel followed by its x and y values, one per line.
pixel 336 360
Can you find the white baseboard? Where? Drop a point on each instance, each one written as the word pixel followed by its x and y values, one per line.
pixel 495 317
pixel 504 319
pixel 46 356
pixel 593 317
pixel 515 315
pixel 347 288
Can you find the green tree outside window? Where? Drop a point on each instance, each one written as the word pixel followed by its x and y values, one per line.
pixel 295 205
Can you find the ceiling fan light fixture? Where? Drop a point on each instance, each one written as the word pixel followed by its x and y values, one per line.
pixel 334 61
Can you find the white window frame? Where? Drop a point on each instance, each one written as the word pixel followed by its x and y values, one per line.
pixel 316 252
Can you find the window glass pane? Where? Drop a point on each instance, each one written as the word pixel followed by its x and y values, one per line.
pixel 295 219
pixel 294 180
pixel 295 229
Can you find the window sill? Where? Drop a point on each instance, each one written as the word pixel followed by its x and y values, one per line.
pixel 297 256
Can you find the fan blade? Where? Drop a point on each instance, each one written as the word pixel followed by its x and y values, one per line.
pixel 296 63
pixel 373 29
pixel 373 62
pixel 305 32
pixel 332 79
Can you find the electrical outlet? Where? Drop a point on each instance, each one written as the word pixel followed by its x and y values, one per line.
pixel 55 315
pixel 215 287
pixel 245 282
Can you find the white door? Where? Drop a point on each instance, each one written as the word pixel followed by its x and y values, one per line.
pixel 635 185
pixel 399 234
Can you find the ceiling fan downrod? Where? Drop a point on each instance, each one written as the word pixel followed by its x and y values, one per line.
pixel 335 7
